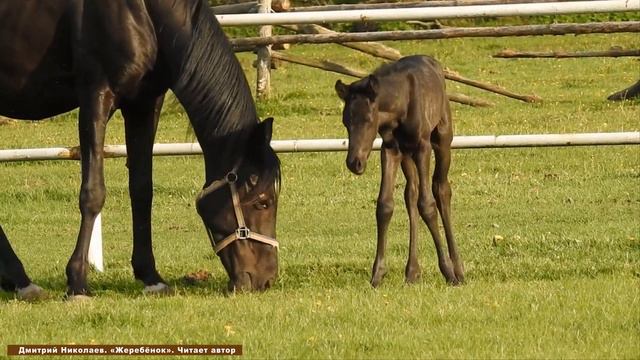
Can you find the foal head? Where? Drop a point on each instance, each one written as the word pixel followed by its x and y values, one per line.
pixel 239 213
pixel 360 117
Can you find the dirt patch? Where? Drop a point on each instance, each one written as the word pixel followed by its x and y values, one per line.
pixel 196 277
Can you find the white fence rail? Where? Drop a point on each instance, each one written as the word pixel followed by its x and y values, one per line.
pixel 447 12
pixel 306 145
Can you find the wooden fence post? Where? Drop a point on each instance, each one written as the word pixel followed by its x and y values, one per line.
pixel 263 65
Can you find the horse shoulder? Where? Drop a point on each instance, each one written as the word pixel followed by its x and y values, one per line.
pixel 120 37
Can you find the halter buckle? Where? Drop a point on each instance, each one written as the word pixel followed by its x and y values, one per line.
pixel 243 233
pixel 231 177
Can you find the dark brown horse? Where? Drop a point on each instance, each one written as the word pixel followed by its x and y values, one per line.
pixel 406 103
pixel 100 56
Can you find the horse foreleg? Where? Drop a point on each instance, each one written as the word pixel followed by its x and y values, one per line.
pixel 96 105
pixel 428 211
pixel 384 209
pixel 141 119
pixel 442 192
pixel 412 270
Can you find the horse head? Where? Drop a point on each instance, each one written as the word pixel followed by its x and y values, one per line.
pixel 360 117
pixel 239 214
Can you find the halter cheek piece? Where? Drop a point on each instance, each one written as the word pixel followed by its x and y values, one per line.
pixel 242 232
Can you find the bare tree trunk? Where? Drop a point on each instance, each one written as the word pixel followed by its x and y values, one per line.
pixel 263 66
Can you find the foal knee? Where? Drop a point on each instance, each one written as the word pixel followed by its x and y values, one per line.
pixel 441 189
pixel 384 209
pixel 427 208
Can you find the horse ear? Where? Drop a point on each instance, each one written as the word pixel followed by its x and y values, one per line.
pixel 372 86
pixel 342 90
pixel 262 132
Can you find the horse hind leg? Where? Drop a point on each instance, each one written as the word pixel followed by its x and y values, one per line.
pixel 141 119
pixel 12 274
pixel 441 190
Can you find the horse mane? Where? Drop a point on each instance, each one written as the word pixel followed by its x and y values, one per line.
pixel 211 84
pixel 213 89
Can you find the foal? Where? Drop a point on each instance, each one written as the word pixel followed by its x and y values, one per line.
pixel 406 103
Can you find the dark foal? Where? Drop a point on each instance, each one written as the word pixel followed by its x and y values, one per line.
pixel 406 103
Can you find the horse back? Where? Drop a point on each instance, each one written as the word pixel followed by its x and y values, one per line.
pixel 51 47
pixel 414 89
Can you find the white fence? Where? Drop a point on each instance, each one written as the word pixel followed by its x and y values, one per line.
pixel 448 12
pixel 316 145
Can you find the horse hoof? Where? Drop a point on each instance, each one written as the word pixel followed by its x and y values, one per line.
pixel 32 292
pixel 161 289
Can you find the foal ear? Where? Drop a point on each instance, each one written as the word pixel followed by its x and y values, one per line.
pixel 341 89
pixel 372 87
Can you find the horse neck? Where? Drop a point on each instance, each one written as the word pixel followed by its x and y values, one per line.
pixel 207 79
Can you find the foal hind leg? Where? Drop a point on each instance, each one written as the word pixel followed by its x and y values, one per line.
pixel 412 270
pixel 141 119
pixel 429 213
pixel 442 192
pixel 384 209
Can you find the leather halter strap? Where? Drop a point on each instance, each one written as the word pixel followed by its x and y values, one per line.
pixel 242 232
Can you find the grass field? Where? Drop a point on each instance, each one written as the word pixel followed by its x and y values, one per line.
pixel 563 281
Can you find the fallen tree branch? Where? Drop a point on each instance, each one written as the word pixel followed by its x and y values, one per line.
pixel 385 52
pixel 451 75
pixel 372 48
pixel 510 54
pixel 341 69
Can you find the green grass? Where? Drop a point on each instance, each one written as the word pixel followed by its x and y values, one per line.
pixel 564 281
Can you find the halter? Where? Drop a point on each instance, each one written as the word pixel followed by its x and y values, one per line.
pixel 242 232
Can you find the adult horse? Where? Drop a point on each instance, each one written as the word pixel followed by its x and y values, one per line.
pixel 100 56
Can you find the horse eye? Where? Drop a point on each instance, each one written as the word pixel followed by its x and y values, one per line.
pixel 263 202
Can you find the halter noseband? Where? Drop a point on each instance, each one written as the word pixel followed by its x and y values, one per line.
pixel 242 232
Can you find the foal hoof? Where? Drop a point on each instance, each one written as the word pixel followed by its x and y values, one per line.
pixel 77 298
pixel 32 292
pixel 413 277
pixel 160 289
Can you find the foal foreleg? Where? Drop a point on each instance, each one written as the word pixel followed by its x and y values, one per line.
pixel 412 270
pixel 429 213
pixel 384 209
pixel 96 105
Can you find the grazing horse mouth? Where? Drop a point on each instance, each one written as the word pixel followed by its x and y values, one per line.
pixel 247 282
